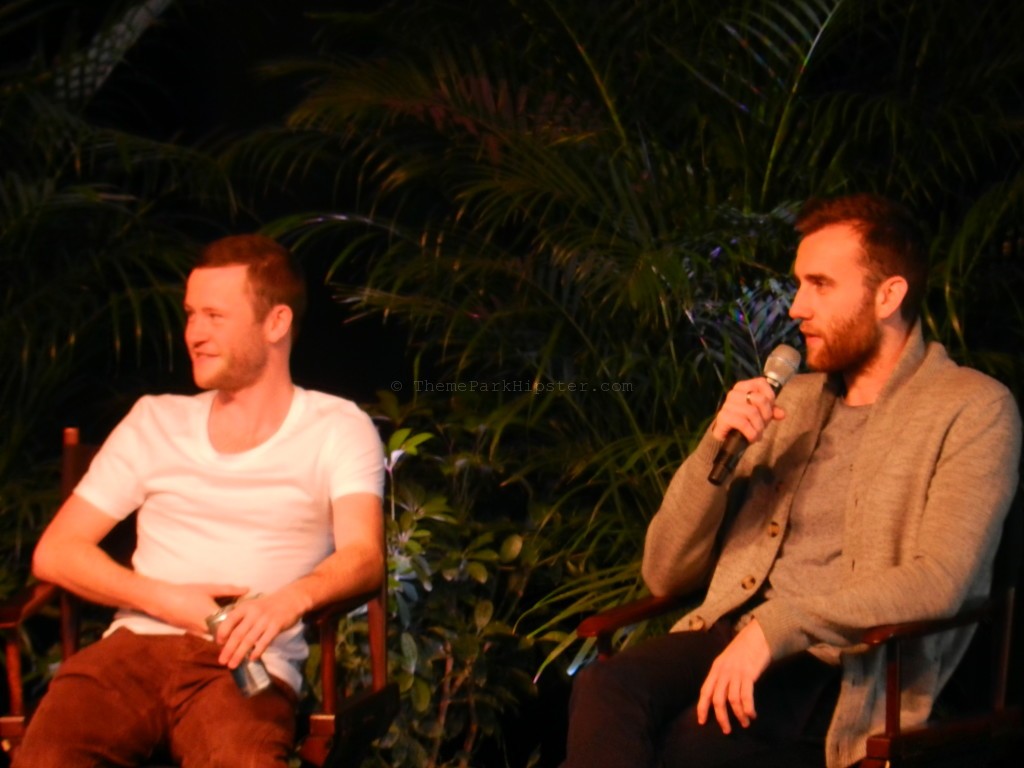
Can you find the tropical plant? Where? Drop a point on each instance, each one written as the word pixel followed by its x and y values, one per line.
pixel 552 193
pixel 457 570
pixel 558 194
pixel 94 224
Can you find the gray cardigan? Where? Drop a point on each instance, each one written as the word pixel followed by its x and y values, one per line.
pixel 934 475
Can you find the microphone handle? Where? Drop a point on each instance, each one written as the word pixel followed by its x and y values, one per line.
pixel 733 447
pixel 727 457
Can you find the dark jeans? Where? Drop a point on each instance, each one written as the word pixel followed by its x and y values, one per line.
pixel 638 709
pixel 114 702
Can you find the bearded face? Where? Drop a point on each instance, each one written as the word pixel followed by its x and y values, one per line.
pixel 225 340
pixel 835 301
pixel 846 343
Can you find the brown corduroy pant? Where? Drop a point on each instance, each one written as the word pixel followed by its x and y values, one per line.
pixel 128 696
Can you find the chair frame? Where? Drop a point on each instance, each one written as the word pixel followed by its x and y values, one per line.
pixel 996 731
pixel 323 622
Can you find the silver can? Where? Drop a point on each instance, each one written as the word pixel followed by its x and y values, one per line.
pixel 250 676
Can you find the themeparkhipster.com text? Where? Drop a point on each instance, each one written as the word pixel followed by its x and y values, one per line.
pixel 514 386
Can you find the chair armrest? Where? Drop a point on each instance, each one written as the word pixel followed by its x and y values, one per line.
pixel 325 620
pixel 28 602
pixel 971 614
pixel 13 612
pixel 322 724
pixel 606 622
pixel 890 635
pixel 603 625
pixel 332 611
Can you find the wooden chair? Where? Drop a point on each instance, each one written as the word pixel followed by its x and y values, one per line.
pixel 975 736
pixel 336 734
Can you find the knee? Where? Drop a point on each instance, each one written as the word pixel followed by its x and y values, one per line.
pixel 36 754
pixel 246 759
pixel 606 682
pixel 249 753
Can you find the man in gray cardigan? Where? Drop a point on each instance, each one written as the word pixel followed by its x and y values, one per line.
pixel 873 492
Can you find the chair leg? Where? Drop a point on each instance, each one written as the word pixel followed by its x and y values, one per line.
pixel 361 720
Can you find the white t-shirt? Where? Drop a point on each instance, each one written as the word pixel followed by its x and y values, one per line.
pixel 259 519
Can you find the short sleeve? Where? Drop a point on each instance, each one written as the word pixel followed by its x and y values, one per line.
pixel 356 462
pixel 113 481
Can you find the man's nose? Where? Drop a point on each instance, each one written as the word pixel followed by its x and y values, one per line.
pixel 798 309
pixel 195 331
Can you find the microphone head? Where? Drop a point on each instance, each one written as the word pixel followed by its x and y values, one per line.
pixel 781 365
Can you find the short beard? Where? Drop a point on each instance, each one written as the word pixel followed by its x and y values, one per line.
pixel 242 367
pixel 850 344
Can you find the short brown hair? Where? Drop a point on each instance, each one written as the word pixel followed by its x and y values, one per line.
pixel 274 274
pixel 891 238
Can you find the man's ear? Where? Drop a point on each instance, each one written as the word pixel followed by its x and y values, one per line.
pixel 889 296
pixel 278 322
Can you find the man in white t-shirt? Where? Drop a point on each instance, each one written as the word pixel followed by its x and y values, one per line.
pixel 254 490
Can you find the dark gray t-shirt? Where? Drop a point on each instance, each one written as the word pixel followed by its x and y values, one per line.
pixel 808 561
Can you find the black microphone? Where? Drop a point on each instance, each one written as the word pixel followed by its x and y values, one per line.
pixel 779 368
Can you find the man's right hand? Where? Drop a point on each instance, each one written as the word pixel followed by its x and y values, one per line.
pixel 748 408
pixel 68 554
pixel 188 605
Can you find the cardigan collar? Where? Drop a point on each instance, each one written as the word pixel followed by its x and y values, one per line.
pixel 909 361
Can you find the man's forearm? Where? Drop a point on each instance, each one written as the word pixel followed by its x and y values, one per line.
pixel 354 571
pixel 678 551
pixel 89 572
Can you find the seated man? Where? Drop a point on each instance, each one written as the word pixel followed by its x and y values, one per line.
pixel 873 492
pixel 254 490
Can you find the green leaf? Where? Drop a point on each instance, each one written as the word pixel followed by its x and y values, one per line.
pixel 410 652
pixel 395 442
pixel 477 571
pixel 420 695
pixel 411 445
pixel 511 547
pixel 482 613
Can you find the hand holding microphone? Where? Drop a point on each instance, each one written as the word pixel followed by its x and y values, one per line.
pixel 749 408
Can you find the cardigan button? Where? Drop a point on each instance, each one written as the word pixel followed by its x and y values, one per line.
pixel 774 529
pixel 749 582
pixel 696 623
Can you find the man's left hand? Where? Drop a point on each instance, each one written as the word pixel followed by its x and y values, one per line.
pixel 730 683
pixel 253 623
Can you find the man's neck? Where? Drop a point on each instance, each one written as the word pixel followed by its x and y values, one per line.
pixel 864 385
pixel 243 419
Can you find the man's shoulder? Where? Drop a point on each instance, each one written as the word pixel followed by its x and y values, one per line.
pixel 320 406
pixel 326 402
pixel 172 406
pixel 948 379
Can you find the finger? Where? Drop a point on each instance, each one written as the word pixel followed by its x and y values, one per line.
pixel 743 418
pixel 262 643
pixel 252 636
pixel 237 645
pixel 758 386
pixel 735 699
pixel 748 408
pixel 763 404
pixel 712 696
pixel 704 701
pixel 747 702
pixel 235 648
pixel 751 424
pixel 719 700
pixel 225 627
